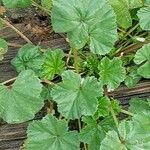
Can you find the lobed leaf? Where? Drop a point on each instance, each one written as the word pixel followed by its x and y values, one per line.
pixel 22 101
pixel 76 96
pixel 28 57
pixel 130 137
pixel 91 22
pixel 51 134
pixel 93 133
pixel 112 73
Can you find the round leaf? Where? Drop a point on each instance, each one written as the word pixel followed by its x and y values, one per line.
pixel 143 57
pixel 111 72
pixel 51 134
pixel 76 96
pixel 28 57
pixel 23 100
pixel 91 22
pixel 17 3
pixel 132 138
pixel 112 142
pixel 143 15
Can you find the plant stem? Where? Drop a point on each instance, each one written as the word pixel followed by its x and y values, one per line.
pixel 9 81
pixel 127 112
pixel 40 7
pixel 131 30
pixel 75 55
pixel 114 116
pixel 16 30
pixel 111 109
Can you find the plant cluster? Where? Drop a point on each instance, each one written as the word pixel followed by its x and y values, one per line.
pixel 100 33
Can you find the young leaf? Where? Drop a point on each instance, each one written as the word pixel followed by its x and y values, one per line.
pixel 111 72
pixel 104 107
pixel 76 96
pixel 53 64
pixel 93 133
pixel 143 57
pixel 3 48
pixel 91 22
pixel 51 134
pixel 47 4
pixel 17 3
pixel 122 11
pixel 23 100
pixel 132 138
pixel 28 57
pixel 144 19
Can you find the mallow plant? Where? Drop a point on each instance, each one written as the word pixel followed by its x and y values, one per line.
pixel 82 114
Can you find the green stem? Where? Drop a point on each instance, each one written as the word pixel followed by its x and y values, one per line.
pixel 114 116
pixel 40 7
pixel 75 55
pixel 131 30
pixel 127 112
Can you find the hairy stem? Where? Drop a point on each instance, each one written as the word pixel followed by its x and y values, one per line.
pixel 127 112
pixel 75 55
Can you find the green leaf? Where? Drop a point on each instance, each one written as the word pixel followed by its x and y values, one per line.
pixel 53 64
pixel 3 48
pixel 132 78
pixel 46 92
pixel 112 142
pixel 142 57
pixel 22 101
pixel 132 138
pixel 17 3
pixel 122 11
pixel 144 19
pixel 46 4
pixel 104 107
pixel 111 72
pixel 51 134
pixel 93 133
pixel 138 105
pixel 76 96
pixel 147 2
pixel 142 119
pixel 28 57
pixel 90 22
pixel 135 3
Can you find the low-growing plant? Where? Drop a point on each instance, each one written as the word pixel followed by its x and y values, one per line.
pixel 100 33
